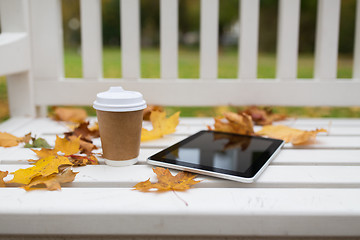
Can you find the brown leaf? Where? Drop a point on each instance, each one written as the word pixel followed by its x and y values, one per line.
pixel 263 116
pixel 151 108
pixel 53 181
pixel 84 131
pixel 77 160
pixel 85 147
pixel 234 123
pixel 76 115
pixel 9 140
pixel 167 182
pixel 293 135
pixel 2 176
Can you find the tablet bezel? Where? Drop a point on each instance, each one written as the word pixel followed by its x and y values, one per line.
pixel 247 177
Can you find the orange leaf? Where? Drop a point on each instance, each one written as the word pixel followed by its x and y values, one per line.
pixel 2 175
pixel 44 152
pixel 167 182
pixel 9 140
pixel 234 123
pixel 53 181
pixel 263 116
pixel 161 125
pixel 293 135
pixel 76 115
pixel 67 147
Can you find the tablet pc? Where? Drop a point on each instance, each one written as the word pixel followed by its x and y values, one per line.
pixel 226 155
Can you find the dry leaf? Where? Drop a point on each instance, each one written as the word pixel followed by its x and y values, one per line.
pixel 44 152
pixel 293 135
pixel 43 167
pixel 9 140
pixel 167 182
pixel 234 123
pixel 263 116
pixel 85 135
pixel 151 108
pixel 53 181
pixel 161 125
pixel 76 115
pixel 77 160
pixel 68 147
pixel 2 176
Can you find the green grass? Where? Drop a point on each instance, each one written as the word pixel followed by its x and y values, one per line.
pixel 189 68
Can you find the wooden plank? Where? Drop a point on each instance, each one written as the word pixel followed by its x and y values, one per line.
pixel 91 39
pixel 169 38
pixel 130 38
pixel 248 40
pixel 46 40
pixel 288 39
pixel 14 123
pixel 209 34
pixel 307 212
pixel 356 63
pixel 171 92
pixel 327 37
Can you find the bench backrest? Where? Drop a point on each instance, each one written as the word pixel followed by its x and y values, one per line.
pixel 31 55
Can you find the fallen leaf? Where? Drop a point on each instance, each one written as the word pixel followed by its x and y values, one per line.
pixel 43 167
pixel 77 160
pixel 293 135
pixel 167 182
pixel 76 115
pixel 53 181
pixel 234 123
pixel 161 125
pixel 84 131
pixel 68 147
pixel 37 143
pixel 9 140
pixel 151 108
pixel 263 116
pixel 85 146
pixel 2 176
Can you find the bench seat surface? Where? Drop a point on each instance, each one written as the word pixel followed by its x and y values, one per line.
pixel 306 191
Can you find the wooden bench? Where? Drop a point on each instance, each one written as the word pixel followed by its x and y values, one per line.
pixel 307 191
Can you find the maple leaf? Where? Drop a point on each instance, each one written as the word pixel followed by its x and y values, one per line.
pixel 151 108
pixel 263 116
pixel 2 176
pixel 66 146
pixel 234 123
pixel 85 135
pixel 9 140
pixel 77 160
pixel 293 135
pixel 161 125
pixel 43 167
pixel 52 181
pixel 76 115
pixel 167 182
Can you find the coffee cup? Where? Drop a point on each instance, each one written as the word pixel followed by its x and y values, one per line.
pixel 120 115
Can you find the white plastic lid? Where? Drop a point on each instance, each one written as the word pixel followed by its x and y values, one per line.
pixel 116 99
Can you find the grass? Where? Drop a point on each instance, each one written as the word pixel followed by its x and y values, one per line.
pixel 189 68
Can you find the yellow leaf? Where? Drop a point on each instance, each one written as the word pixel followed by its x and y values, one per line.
pixel 53 181
pixel 161 125
pixel 44 152
pixel 293 135
pixel 235 123
pixel 167 182
pixel 43 167
pixel 76 115
pixel 67 147
pixel 2 175
pixel 9 140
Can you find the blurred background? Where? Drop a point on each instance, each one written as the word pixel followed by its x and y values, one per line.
pixel 189 19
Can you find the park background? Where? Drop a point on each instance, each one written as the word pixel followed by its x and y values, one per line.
pixel 189 21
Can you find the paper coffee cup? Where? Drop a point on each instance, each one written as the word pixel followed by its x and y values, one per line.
pixel 119 114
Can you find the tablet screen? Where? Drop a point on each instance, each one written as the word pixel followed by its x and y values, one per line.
pixel 227 153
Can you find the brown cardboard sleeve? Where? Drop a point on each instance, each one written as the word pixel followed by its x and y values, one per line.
pixel 120 134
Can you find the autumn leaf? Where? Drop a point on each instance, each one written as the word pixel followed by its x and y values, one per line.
pixel 52 181
pixel 167 182
pixel 293 135
pixel 77 160
pixel 161 125
pixel 151 108
pixel 2 176
pixel 85 134
pixel 9 140
pixel 66 146
pixel 263 116
pixel 234 123
pixel 37 143
pixel 76 115
pixel 43 167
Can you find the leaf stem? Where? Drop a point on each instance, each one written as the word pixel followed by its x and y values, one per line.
pixel 186 204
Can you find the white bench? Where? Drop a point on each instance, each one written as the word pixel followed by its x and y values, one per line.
pixel 307 191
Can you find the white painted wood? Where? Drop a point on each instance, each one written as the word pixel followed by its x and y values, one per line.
pixel 130 38
pixel 288 39
pixel 249 38
pixel 235 212
pixel 171 92
pixel 14 53
pixel 91 39
pixel 11 22
pixel 46 40
pixel 327 38
pixel 169 31
pixel 356 64
pixel 14 123
pixel 209 34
